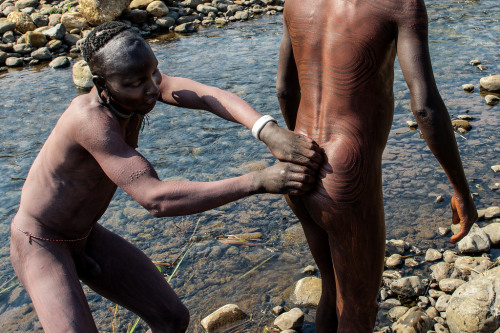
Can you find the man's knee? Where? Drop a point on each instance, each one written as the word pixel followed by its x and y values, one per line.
pixel 176 321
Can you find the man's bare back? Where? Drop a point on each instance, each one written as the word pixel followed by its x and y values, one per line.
pixel 55 238
pixel 335 85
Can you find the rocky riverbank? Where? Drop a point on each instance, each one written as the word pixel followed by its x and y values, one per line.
pixel 461 293
pixel 37 31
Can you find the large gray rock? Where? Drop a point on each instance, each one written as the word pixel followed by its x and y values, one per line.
pixel 307 291
pixel 433 255
pixel 227 314
pixel 60 62
pixel 6 25
pixel 490 83
pixel 56 32
pixel 40 20
pixel 292 319
pixel 407 287
pixel 493 232
pixel 82 77
pixel 185 28
pixel 475 242
pixel 414 320
pixel 475 306
pixel 395 246
pixel 233 9
pixel 97 12
pixel 22 48
pixel 488 213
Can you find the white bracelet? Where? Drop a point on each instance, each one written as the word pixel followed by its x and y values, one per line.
pixel 259 125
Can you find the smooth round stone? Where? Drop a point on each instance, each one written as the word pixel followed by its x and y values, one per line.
pixel 394 261
pixel 468 87
pixel 14 62
pixel 433 255
pixel 491 99
pixel 60 62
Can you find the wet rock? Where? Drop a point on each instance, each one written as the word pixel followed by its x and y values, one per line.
pixel 220 21
pixel 136 16
pixel 490 83
pixel 3 57
pixel 56 32
pixel 495 168
pixel 433 255
pixel 407 287
pixel 442 302
pixel 450 285
pixel 475 242
pixel 466 117
pixel 394 261
pixel 242 15
pixel 413 321
pixel 227 314
pixel 459 123
pixel 292 319
pixel 491 99
pixel 472 265
pixel 441 271
pixel 6 25
pixel 185 28
pixel 475 62
pixel 23 21
pixel 14 62
pixel 42 53
pixel 74 20
pixel 474 307
pixel 71 39
pixel 493 232
pixel 157 9
pixel 435 293
pixel 165 22
pixel 396 312
pixel 54 45
pixel 307 291
pixel 36 39
pixel 206 9
pixel 82 77
pixel 391 302
pixel 60 62
pixel 481 67
pixel 468 87
pixel 443 231
pixel 395 246
pixel 97 12
pixel 488 213
pixel 309 270
pixel 8 37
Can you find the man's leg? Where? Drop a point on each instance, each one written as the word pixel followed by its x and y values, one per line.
pixel 129 278
pixel 48 274
pixel 317 238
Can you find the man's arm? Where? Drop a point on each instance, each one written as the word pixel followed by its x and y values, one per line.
pixel 283 144
pixel 430 112
pixel 100 135
pixel 287 84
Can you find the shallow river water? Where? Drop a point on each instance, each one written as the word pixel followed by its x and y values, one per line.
pixel 195 145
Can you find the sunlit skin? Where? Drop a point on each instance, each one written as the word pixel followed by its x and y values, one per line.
pixel 335 85
pixel 90 152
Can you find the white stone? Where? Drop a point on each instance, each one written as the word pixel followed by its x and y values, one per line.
pixel 292 319
pixel 82 77
pixel 433 255
pixel 475 306
pixel 413 321
pixel 227 314
pixel 495 168
pixel 491 99
pixel 410 286
pixel 472 265
pixel 394 261
pixel 157 9
pixel 475 242
pixel 395 246
pixel 442 303
pixel 307 291
pixel 441 271
pixel 450 285
pixel 490 83
pixel 396 312
pixel 468 87
pixel 493 232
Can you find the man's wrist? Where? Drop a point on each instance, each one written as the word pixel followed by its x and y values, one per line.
pixel 268 131
pixel 260 124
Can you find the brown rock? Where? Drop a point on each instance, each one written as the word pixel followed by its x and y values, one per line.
pixel 97 12
pixel 23 21
pixel 36 39
pixel 74 20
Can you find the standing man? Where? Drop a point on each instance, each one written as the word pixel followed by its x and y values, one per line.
pixel 335 85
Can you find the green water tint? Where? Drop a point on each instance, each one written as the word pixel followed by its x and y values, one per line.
pixel 195 145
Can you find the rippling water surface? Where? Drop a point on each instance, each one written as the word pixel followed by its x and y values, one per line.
pixel 196 145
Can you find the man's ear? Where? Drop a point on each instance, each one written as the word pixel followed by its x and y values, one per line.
pixel 99 83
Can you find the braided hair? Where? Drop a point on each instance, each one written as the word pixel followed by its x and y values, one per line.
pixel 100 36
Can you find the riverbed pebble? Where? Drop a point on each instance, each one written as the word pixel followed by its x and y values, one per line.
pixel 490 83
pixel 292 319
pixel 433 255
pixel 414 320
pixel 60 62
pixel 468 87
pixel 491 99
pixel 223 316
pixel 307 291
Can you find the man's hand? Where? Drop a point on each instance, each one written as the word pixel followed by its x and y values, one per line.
pixel 465 213
pixel 284 178
pixel 288 146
